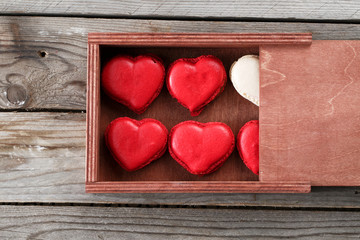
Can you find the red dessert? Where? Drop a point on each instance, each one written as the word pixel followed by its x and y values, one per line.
pixel 195 82
pixel 248 145
pixel 201 148
pixel 134 144
pixel 134 82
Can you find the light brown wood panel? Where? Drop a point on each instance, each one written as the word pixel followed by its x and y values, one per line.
pixel 310 112
pixel 42 159
pixel 43 59
pixel 280 9
pixel 47 222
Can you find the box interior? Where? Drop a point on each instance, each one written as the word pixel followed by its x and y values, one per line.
pixel 229 107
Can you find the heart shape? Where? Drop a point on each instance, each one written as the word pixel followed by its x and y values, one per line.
pixel 134 82
pixel 134 144
pixel 244 75
pixel 195 82
pixel 201 148
pixel 248 145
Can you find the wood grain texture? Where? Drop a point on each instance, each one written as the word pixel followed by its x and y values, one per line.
pixel 279 9
pixel 93 116
pixel 198 39
pixel 43 60
pixel 310 112
pixel 42 222
pixel 40 151
pixel 42 159
pixel 197 187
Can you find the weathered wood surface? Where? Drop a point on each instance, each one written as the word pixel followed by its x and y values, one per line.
pixel 43 59
pixel 42 159
pixel 280 9
pixel 42 154
pixel 46 222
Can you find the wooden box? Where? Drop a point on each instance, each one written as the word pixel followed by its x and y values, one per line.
pixel 300 143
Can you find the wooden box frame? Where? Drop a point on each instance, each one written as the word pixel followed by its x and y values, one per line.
pixel 97 40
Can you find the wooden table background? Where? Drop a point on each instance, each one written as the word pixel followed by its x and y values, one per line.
pixel 42 122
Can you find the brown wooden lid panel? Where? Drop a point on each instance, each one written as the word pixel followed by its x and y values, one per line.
pixel 310 113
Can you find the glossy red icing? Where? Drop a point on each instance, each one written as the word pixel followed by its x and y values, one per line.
pixel 134 144
pixel 248 145
pixel 195 82
pixel 201 148
pixel 134 82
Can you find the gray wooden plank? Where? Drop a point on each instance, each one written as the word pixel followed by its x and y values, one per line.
pixel 42 159
pixel 47 222
pixel 43 59
pixel 280 9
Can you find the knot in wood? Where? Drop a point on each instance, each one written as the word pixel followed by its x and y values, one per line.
pixel 16 94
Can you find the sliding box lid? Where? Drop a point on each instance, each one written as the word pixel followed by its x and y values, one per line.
pixel 310 113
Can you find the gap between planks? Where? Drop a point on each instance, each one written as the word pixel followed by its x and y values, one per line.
pixel 203 206
pixel 189 18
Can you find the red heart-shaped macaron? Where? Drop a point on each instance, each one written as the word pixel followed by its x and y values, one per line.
pixel 134 82
pixel 201 148
pixel 195 82
pixel 134 144
pixel 248 145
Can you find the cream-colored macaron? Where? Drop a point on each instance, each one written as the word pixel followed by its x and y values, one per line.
pixel 244 75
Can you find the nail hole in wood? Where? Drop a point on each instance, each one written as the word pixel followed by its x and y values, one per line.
pixel 16 94
pixel 42 53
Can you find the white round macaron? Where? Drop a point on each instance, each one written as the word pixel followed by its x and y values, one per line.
pixel 244 75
